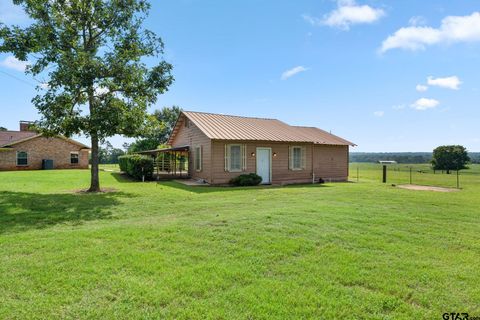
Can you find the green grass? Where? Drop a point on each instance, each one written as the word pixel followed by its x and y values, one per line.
pixel 150 251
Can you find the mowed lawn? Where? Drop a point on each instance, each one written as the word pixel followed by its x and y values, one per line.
pixel 162 250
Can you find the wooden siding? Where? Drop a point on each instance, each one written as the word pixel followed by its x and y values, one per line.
pixel 192 136
pixel 280 172
pixel 331 162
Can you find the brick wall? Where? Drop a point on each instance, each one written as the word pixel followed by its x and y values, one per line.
pixel 56 149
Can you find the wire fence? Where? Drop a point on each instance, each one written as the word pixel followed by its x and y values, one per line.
pixel 417 174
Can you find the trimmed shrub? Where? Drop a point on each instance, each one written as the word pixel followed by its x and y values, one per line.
pixel 137 166
pixel 244 180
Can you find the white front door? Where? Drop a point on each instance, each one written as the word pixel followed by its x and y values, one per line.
pixel 264 164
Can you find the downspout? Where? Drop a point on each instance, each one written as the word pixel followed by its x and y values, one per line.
pixel 313 172
pixel 211 161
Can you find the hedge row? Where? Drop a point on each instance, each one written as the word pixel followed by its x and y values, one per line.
pixel 137 166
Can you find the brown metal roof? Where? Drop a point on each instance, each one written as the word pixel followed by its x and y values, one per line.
pixel 9 137
pixel 227 127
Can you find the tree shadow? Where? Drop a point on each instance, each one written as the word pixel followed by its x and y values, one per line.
pixel 21 211
pixel 210 189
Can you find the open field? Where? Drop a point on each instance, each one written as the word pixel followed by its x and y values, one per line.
pixel 149 251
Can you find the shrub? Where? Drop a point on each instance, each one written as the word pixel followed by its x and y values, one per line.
pixel 137 166
pixel 250 179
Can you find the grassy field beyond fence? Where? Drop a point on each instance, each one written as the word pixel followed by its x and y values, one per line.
pixel 419 174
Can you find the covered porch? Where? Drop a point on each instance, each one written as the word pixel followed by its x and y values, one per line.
pixel 170 163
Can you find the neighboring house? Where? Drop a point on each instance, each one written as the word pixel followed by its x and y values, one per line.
pixel 26 150
pixel 221 147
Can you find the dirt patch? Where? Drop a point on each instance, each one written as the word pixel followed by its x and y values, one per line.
pixel 426 188
pixel 103 190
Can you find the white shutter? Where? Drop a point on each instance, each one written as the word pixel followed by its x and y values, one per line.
pixel 244 157
pixel 304 157
pixel 290 157
pixel 201 158
pixel 227 157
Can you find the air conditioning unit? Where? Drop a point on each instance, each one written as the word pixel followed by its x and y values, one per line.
pixel 47 164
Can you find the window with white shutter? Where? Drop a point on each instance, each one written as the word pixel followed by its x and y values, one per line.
pixel 235 158
pixel 198 158
pixel 297 158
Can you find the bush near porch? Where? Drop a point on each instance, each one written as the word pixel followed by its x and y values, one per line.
pixel 137 166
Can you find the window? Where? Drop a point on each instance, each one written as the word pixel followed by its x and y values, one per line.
pixel 235 159
pixel 198 158
pixel 22 158
pixel 187 123
pixel 297 158
pixel 73 157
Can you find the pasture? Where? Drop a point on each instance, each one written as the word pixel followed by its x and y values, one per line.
pixel 362 250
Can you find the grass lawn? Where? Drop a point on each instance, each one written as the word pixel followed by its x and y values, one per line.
pixel 161 250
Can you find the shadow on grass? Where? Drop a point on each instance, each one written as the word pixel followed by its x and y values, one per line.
pixel 209 189
pixel 122 178
pixel 20 211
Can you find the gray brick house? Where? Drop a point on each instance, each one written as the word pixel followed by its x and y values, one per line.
pixel 26 150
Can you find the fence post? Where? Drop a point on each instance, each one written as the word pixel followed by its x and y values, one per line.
pixel 357 173
pixel 384 180
pixel 458 179
pixel 410 175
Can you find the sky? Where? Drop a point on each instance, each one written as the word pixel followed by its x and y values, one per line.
pixel 390 76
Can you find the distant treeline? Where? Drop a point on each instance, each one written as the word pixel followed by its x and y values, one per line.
pixel 401 157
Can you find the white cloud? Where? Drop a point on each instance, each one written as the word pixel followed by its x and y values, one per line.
pixel 379 113
pixel 421 88
pixel 417 21
pixel 289 73
pixel 399 107
pixel 347 13
pixel 314 21
pixel 452 29
pixel 452 82
pixel 425 103
pixel 13 63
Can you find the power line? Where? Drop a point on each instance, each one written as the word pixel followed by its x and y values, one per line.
pixel 18 79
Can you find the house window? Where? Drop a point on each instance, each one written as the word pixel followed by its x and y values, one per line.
pixel 235 159
pixel 73 157
pixel 198 158
pixel 187 123
pixel 22 158
pixel 297 158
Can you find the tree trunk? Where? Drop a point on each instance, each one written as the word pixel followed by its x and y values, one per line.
pixel 448 171
pixel 94 181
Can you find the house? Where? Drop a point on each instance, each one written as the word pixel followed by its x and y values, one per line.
pixel 220 147
pixel 27 150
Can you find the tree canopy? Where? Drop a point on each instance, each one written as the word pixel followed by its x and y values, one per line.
pixel 158 130
pixel 109 154
pixel 450 158
pixel 92 56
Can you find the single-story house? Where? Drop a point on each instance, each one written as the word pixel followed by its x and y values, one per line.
pixel 27 150
pixel 220 147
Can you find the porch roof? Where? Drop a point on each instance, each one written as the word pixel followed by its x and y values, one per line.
pixel 157 151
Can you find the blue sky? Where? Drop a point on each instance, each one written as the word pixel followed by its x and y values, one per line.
pixel 388 75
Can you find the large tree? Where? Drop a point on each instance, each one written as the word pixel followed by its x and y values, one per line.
pixel 450 158
pixel 92 53
pixel 158 130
